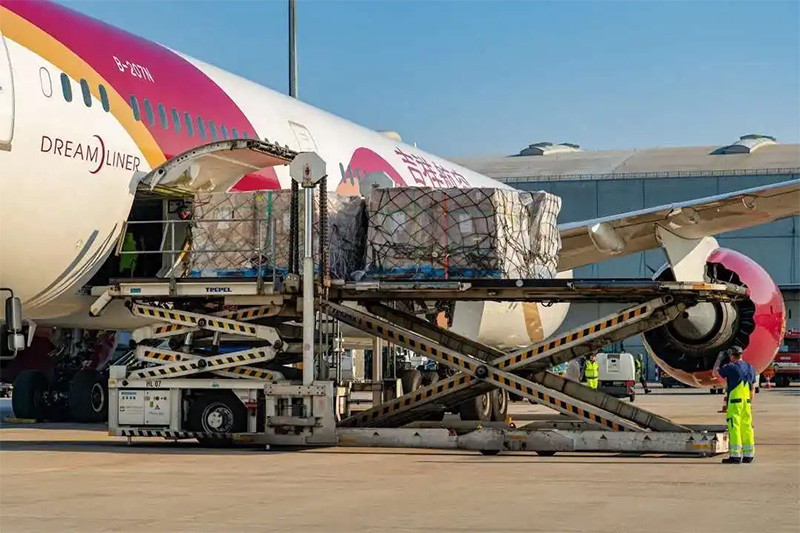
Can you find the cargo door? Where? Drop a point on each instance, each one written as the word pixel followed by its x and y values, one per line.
pixel 6 96
pixel 305 142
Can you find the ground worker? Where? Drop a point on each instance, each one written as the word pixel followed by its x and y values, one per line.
pixel 640 373
pixel 127 261
pixel 592 371
pixel 741 377
pixel 574 370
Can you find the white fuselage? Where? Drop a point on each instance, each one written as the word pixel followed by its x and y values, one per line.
pixel 68 181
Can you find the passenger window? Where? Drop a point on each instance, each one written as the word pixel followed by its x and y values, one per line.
pixel 201 129
pixel 176 120
pixel 87 95
pixel 66 87
pixel 148 109
pixel 137 116
pixel 213 129
pixel 162 114
pixel 46 82
pixel 104 98
pixel 189 125
pixel 235 133
pixel 224 130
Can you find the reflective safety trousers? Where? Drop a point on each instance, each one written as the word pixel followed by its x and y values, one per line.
pixel 592 373
pixel 740 422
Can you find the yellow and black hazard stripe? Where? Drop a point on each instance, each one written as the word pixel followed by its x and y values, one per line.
pixel 409 401
pixel 250 313
pixel 543 347
pixel 556 403
pixel 167 434
pixel 201 364
pixel 251 372
pixel 195 320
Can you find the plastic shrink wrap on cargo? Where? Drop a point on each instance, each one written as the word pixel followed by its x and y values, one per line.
pixel 424 233
pixel 233 235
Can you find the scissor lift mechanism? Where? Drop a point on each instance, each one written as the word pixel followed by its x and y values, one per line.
pixel 606 421
pixel 158 400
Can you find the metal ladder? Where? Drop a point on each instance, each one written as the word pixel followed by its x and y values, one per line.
pixel 482 368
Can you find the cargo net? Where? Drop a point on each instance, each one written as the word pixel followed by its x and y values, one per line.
pixel 248 234
pixel 424 233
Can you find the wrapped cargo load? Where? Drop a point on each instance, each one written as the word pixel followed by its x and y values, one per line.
pixel 233 235
pixel 424 233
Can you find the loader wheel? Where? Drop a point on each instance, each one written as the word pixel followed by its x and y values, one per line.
pixel 411 380
pixel 217 413
pixel 28 397
pixel 478 408
pixel 88 397
pixel 499 405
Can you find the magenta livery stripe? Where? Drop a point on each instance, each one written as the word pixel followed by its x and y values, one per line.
pixel 135 66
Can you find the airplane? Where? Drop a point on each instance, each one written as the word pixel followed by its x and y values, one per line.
pixel 89 113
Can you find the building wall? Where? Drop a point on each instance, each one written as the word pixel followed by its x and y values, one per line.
pixel 775 246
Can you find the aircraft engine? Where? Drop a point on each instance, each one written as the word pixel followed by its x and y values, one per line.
pixel 687 347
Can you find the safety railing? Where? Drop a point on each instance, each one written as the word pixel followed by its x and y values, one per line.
pixel 231 247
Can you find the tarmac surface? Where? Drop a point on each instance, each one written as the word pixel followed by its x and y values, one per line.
pixel 72 478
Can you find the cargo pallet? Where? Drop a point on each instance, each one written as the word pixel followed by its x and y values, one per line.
pixel 247 395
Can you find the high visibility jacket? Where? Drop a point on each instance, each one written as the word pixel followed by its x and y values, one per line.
pixel 592 373
pixel 127 261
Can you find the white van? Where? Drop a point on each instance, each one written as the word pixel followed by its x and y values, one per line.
pixel 617 374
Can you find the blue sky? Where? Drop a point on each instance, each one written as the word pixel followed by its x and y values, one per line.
pixel 463 78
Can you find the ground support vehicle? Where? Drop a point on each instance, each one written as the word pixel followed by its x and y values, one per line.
pixel 175 390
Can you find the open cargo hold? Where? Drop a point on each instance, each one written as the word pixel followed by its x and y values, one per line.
pixel 425 233
pixel 233 235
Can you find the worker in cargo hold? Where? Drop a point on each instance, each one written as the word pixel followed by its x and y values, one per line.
pixel 592 371
pixel 741 377
pixel 640 373
pixel 128 258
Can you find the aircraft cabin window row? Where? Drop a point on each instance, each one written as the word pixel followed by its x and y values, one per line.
pixel 66 89
pixel 205 129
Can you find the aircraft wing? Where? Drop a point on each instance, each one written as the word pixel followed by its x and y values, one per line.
pixel 592 241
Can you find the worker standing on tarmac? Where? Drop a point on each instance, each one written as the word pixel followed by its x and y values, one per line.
pixel 592 371
pixel 640 374
pixel 740 376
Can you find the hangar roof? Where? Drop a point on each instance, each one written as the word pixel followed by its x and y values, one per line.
pixel 750 154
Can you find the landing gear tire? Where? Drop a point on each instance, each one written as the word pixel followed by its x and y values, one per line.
pixel 88 397
pixel 28 398
pixel 411 380
pixel 499 405
pixel 546 453
pixel 217 413
pixel 490 452
pixel 477 409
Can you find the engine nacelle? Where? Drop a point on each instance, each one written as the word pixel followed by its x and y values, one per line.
pixel 687 347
